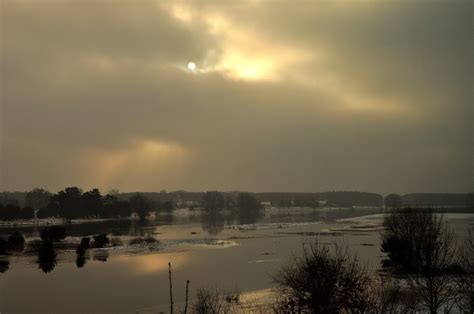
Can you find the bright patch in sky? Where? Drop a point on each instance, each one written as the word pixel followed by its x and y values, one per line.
pixel 191 66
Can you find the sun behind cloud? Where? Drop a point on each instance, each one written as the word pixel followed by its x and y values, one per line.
pixel 243 54
pixel 191 66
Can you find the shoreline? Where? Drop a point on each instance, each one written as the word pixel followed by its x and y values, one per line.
pixel 179 212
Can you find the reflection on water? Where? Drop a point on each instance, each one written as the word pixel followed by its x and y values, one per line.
pixel 81 251
pixel 46 256
pixel 117 227
pixel 81 260
pixel 249 217
pixel 4 264
pixel 100 255
pixel 135 278
pixel 213 223
pixel 152 263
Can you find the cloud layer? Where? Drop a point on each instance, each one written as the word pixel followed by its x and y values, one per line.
pixel 332 95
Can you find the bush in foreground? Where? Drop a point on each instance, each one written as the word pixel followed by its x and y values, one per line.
pixel 321 282
pixel 465 282
pixel 420 244
pixel 214 301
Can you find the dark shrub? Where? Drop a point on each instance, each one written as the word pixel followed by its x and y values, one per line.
pixel 214 301
pixel 101 240
pixel 3 246
pixel 420 243
pixel 398 251
pixel 54 233
pixel 16 241
pixel 410 236
pixel 465 281
pixel 321 282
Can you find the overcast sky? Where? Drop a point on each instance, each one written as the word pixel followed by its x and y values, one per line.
pixel 366 95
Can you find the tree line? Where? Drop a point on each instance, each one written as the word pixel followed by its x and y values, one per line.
pixel 423 200
pixel 73 203
pixel 180 197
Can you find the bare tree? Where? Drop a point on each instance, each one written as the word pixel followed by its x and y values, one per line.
pixel 402 239
pixel 420 243
pixel 321 282
pixel 390 296
pixel 434 277
pixel 465 281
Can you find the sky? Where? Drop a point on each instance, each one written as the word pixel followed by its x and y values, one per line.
pixel 306 96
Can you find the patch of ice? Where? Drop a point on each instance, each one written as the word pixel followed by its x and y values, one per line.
pixel 250 227
pixel 264 260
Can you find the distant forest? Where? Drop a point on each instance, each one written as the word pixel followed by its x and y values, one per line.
pixel 72 202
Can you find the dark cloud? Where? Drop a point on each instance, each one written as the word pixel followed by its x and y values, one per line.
pixel 97 94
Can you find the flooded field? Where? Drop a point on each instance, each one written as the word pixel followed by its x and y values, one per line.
pixel 221 251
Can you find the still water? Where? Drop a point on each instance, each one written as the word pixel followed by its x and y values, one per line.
pixel 221 251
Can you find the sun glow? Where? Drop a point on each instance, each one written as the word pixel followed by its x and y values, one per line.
pixel 192 66
pixel 239 67
pixel 243 54
pixel 153 263
pixel 139 158
pixel 246 55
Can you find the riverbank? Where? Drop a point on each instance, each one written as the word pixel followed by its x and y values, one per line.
pixel 179 213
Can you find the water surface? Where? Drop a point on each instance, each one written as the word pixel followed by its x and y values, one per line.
pixel 221 250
